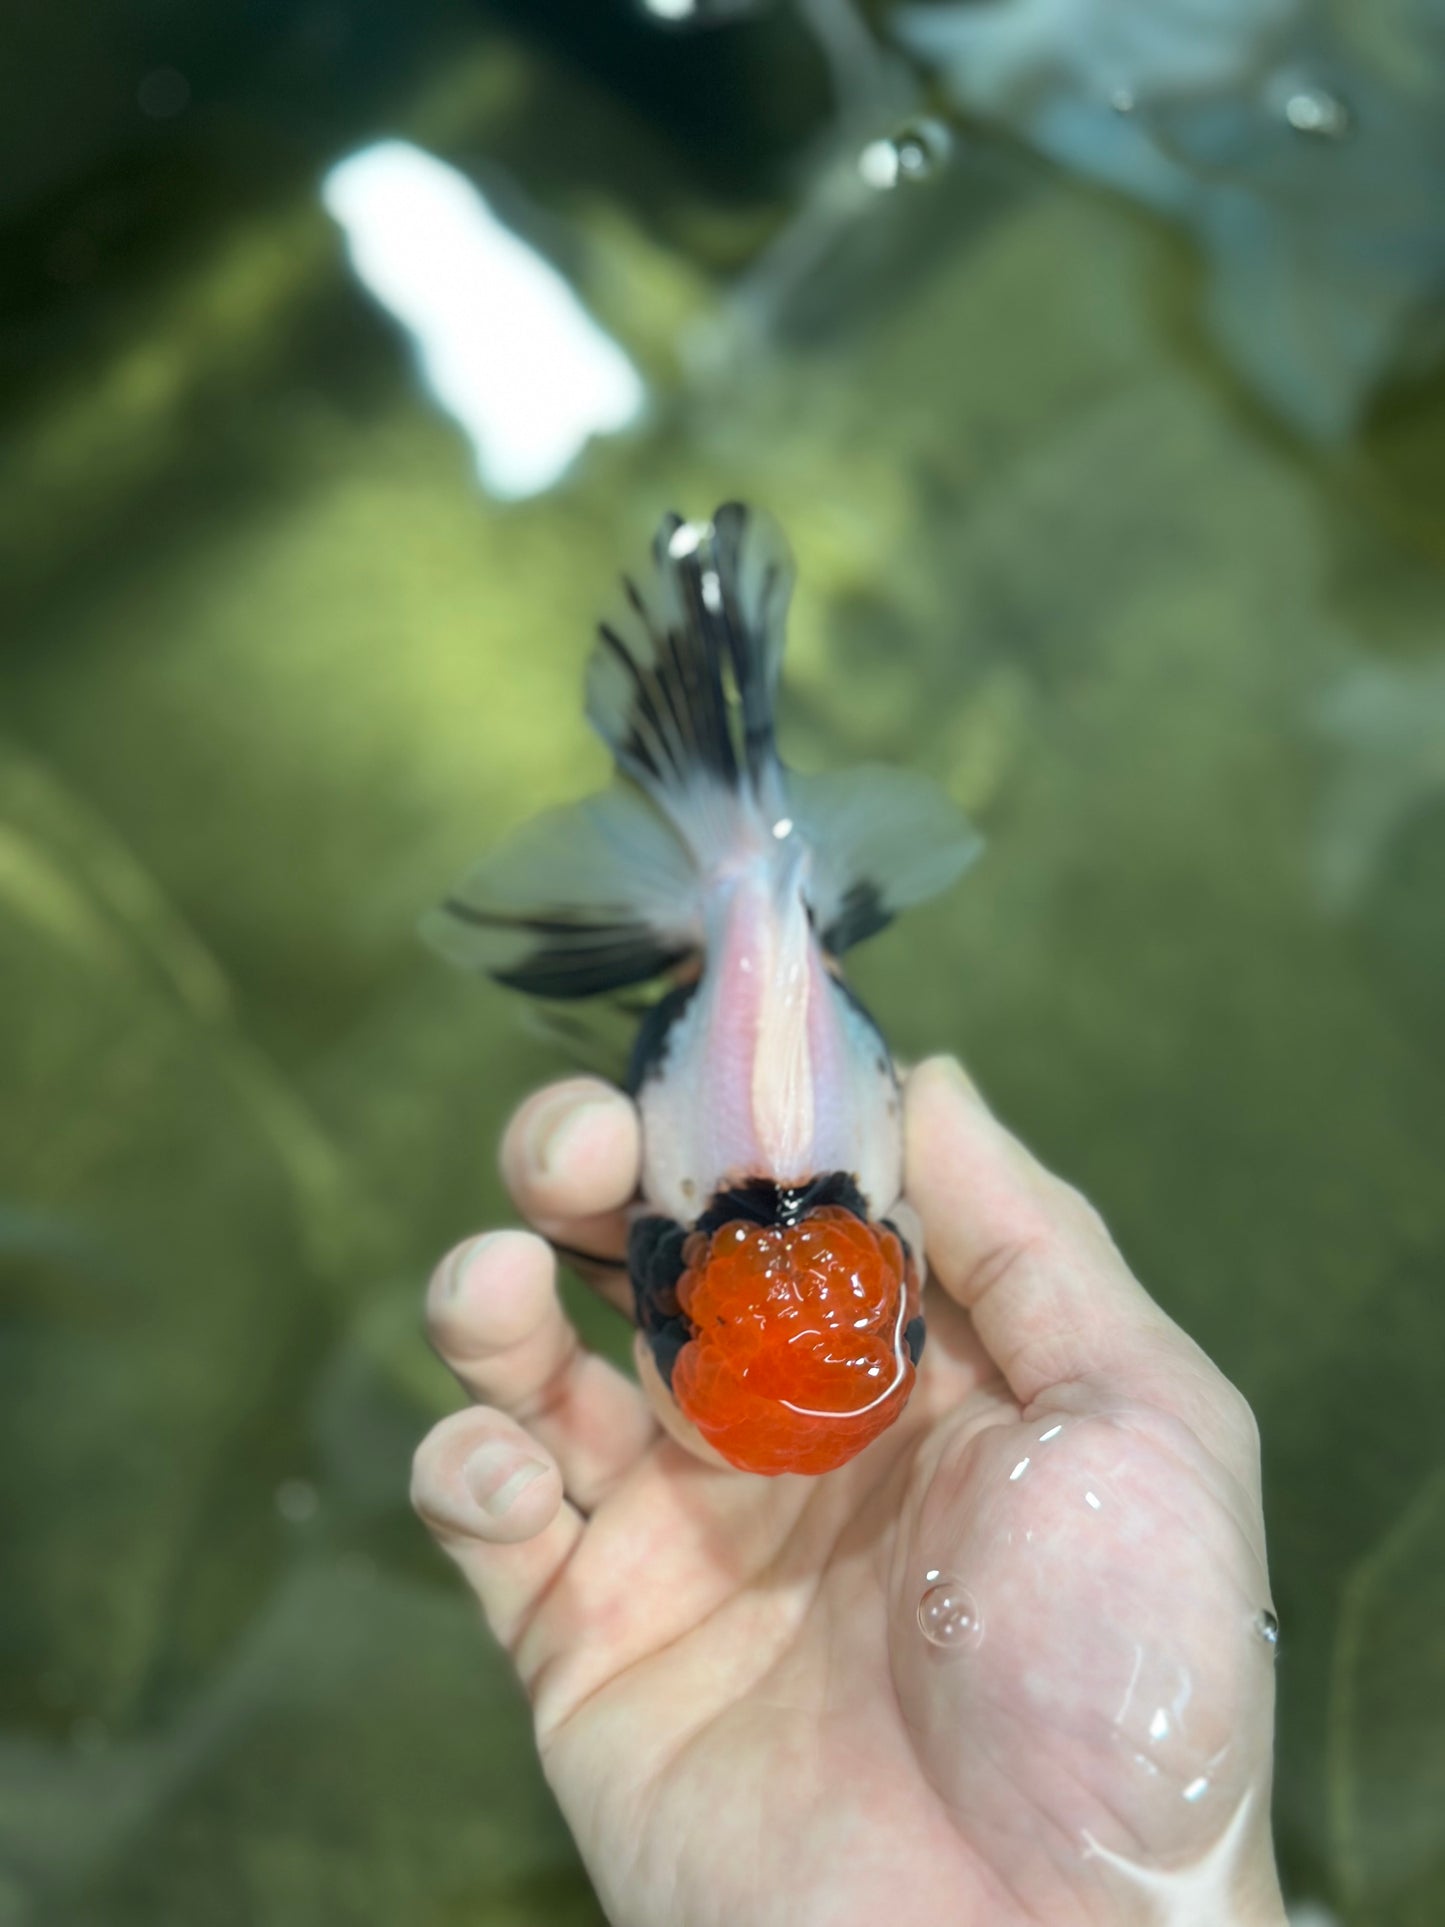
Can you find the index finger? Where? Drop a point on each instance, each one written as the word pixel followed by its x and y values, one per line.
pixel 570 1158
pixel 1051 1299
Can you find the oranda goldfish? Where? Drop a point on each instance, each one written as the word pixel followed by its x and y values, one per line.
pixel 779 1305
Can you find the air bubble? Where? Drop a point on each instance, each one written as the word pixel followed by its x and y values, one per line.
pixel 1267 1626
pixel 1313 111
pixel 915 152
pixel 948 1615
pixel 1307 107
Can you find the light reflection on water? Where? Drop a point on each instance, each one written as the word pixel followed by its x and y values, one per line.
pixel 501 339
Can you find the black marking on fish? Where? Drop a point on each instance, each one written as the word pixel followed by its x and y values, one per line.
pixel 889 1225
pixel 761 1201
pixel 747 644
pixel 681 720
pixel 861 914
pixel 654 1264
pixel 576 956
pixel 913 1336
pixel 851 997
pixel 914 1332
pixel 649 1049
pixel 680 695
pixel 633 751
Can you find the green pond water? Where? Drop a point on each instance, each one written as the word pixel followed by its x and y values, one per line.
pixel 276 668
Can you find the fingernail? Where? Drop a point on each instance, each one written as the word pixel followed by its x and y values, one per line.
pixel 454 1273
pixel 556 1125
pixel 496 1477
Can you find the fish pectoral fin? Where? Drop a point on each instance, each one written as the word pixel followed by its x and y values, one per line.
pixel 582 900
pixel 881 839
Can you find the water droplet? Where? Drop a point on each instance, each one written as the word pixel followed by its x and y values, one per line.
pixel 1267 1626
pixel 298 1501
pixel 1299 100
pixel 685 540
pixel 1313 111
pixel 1122 100
pixel 948 1614
pixel 915 152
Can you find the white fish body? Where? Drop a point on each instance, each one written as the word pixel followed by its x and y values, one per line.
pixel 779 1309
pixel 710 862
pixel 772 1070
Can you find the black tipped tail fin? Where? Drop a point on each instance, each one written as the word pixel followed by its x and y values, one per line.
pixel 609 892
pixel 882 839
pixel 583 900
pixel 682 681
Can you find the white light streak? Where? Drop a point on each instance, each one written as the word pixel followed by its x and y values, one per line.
pixel 503 342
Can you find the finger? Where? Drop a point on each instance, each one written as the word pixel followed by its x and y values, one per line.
pixel 494 1503
pixel 494 1316
pixel 571 1157
pixel 1030 1260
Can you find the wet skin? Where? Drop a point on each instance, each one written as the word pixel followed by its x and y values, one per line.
pixel 735 1703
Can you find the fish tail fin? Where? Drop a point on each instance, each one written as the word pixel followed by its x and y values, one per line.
pixel 584 900
pixel 682 681
pixel 605 894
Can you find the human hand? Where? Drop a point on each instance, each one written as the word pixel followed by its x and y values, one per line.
pixel 735 1699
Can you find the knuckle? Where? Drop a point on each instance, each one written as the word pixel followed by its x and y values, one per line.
pixel 1004 1262
pixel 1078 1216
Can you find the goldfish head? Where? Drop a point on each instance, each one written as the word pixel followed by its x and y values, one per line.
pixel 789 1331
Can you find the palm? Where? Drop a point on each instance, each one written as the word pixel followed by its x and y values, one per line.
pixel 763 1641
pixel 744 1722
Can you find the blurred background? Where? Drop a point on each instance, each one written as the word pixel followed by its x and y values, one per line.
pixel 1091 355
